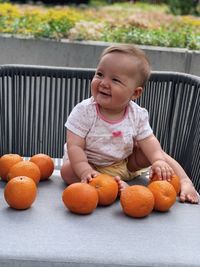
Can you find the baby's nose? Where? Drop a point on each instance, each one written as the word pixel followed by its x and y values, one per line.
pixel 105 82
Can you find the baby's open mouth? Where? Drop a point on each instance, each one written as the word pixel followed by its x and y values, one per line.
pixel 106 94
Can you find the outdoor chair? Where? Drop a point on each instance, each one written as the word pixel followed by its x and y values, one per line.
pixel 35 102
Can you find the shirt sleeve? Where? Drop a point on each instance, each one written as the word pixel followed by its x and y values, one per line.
pixel 79 120
pixel 144 129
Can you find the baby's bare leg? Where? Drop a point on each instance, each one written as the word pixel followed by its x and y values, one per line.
pixel 188 192
pixel 121 184
pixel 137 160
pixel 67 173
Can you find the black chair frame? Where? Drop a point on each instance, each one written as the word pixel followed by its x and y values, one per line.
pixel 35 102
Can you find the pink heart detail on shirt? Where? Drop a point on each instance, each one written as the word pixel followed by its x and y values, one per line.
pixel 117 134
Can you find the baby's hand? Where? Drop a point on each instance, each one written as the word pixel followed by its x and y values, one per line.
pixel 162 169
pixel 88 174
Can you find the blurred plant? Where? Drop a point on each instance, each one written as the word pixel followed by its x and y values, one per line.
pixel 155 37
pixel 56 25
pixel 183 7
pixel 36 21
pixel 86 30
pixel 137 23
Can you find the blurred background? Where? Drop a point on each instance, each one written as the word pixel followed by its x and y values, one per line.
pixel 176 6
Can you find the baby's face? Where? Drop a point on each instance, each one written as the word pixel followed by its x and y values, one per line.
pixel 115 81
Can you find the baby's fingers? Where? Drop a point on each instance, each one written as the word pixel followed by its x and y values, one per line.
pixel 163 172
pixel 169 173
pixel 157 171
pixel 86 179
pixel 94 174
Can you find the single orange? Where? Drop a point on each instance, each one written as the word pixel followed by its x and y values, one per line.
pixel 25 168
pixel 106 187
pixel 6 162
pixel 137 201
pixel 20 192
pixel 164 195
pixel 175 181
pixel 155 177
pixel 80 198
pixel 45 164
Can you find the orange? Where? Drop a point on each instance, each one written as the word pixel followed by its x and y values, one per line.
pixel 25 168
pixel 80 198
pixel 137 201
pixel 164 195
pixel 106 187
pixel 45 164
pixel 155 177
pixel 20 192
pixel 175 181
pixel 6 162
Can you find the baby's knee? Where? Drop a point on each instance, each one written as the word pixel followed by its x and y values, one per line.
pixel 64 173
pixel 137 160
pixel 67 174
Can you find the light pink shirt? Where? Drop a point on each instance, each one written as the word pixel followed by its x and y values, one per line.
pixel 107 141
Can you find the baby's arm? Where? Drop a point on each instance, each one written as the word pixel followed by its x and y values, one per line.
pixel 77 157
pixel 154 153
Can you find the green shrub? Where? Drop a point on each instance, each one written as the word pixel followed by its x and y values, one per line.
pixel 183 7
pixel 157 37
pixel 129 23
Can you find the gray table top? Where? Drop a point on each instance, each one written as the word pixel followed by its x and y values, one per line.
pixel 47 234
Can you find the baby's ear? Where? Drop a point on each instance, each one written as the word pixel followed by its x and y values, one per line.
pixel 137 92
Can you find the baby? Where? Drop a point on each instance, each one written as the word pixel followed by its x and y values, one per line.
pixel 109 133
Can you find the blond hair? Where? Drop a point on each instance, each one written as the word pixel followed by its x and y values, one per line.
pixel 144 68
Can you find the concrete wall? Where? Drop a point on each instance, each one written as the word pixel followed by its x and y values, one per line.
pixel 85 54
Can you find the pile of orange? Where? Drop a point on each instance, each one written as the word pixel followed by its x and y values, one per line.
pixel 137 201
pixel 21 175
pixel 39 167
pixel 160 195
pixel 83 198
pixel 175 181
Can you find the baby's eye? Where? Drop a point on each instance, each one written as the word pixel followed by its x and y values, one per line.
pixel 98 73
pixel 116 80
